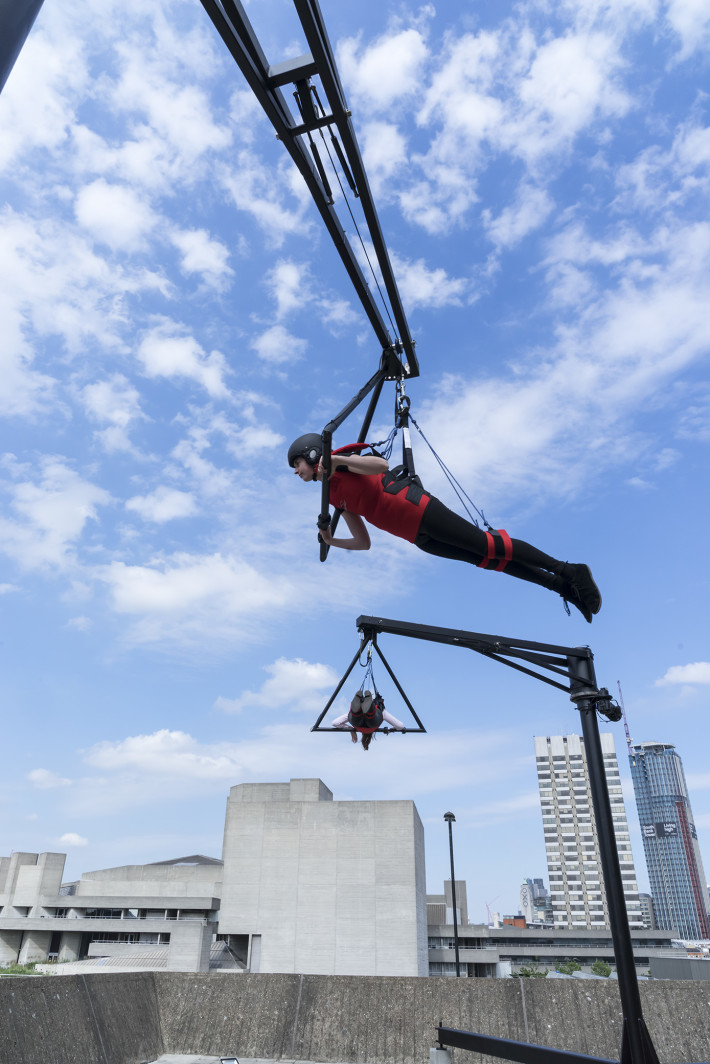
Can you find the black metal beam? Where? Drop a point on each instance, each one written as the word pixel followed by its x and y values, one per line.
pixel 507 1049
pixel 16 20
pixel 559 660
pixel 419 730
pixel 317 37
pixel 233 26
pixel 577 665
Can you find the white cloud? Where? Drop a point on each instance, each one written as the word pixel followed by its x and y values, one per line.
pixel 166 352
pixel 41 95
pixel 289 285
pixel 256 189
pixel 180 113
pixel 559 418
pixel 163 504
pixel 253 439
pixel 698 672
pixel 52 515
pixel 422 286
pixel 276 345
pixel 53 283
pixel 164 751
pixel 193 598
pixel 292 684
pixel 504 93
pixel 202 254
pixel 691 21
pixel 385 70
pixel 572 81
pixel 115 215
pixel 171 765
pixel 117 402
pixel 25 390
pixel 659 178
pixel 530 210
pixel 43 779
pixel 81 624
pixel 384 153
pixel 6 589
pixel 72 839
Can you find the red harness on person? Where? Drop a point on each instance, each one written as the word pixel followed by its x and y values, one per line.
pixel 493 556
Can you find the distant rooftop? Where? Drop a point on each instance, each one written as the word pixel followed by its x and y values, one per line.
pixel 194 859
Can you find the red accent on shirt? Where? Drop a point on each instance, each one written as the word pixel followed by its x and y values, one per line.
pixel 363 494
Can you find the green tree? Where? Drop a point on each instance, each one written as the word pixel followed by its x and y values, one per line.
pixel 568 967
pixel 601 967
pixel 531 971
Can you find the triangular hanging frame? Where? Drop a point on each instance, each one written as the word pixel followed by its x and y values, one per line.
pixel 419 730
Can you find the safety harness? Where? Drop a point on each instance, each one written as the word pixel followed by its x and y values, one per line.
pixel 403 478
pixel 366 711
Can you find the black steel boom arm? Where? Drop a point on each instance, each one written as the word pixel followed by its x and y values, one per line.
pixel 233 26
pixel 567 662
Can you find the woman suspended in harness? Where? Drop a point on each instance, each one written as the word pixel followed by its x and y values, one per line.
pixel 363 488
pixel 367 713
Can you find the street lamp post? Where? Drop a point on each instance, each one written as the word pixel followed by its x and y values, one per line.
pixel 450 819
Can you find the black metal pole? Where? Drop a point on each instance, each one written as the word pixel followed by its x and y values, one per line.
pixel 450 818
pixel 16 20
pixel 636 1047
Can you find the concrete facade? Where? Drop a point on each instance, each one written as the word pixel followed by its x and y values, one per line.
pixel 174 904
pixel 486 952
pixel 307 885
pixel 322 886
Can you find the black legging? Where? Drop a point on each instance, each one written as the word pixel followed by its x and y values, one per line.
pixel 447 535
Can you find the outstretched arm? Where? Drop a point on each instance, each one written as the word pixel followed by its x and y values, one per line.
pixel 392 721
pixel 358 529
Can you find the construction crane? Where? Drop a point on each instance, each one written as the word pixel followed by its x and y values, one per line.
pixel 629 741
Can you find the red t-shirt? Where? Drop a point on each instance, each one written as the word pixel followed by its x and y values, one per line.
pixel 363 494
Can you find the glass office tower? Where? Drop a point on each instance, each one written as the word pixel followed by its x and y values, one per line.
pixel 670 842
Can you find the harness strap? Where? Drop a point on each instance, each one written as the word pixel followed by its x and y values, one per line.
pixel 491 556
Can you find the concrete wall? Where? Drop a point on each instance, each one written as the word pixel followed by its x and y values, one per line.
pixel 331 887
pixel 127 1019
pixel 75 1019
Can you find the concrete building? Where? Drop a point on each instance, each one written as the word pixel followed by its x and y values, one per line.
pixel 486 952
pixel 497 952
pixel 439 907
pixel 670 841
pixel 535 902
pixel 647 913
pixel 307 885
pixel 170 905
pixel 312 885
pixel 572 847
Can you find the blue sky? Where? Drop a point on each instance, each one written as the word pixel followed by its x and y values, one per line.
pixel 174 315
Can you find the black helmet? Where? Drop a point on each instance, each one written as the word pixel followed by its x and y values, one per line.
pixel 309 447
